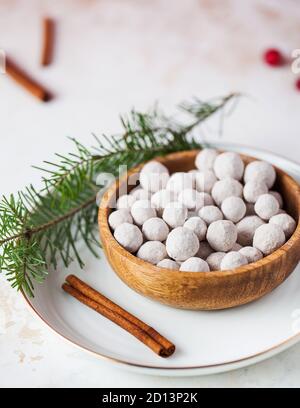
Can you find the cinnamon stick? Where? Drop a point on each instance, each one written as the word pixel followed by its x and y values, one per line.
pixel 119 320
pixel 48 41
pixel 23 79
pixel 103 300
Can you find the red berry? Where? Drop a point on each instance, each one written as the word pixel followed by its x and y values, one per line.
pixel 297 83
pixel 273 57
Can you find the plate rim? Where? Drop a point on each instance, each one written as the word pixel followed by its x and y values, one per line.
pixel 218 367
pixel 226 365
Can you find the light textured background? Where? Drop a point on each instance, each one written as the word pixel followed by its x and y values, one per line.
pixel 110 56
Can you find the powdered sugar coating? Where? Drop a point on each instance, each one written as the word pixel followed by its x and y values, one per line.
pixel 126 201
pixel 210 213
pixel 246 229
pixel 161 198
pixel 191 199
pixel 266 206
pixel 140 194
pixel 154 176
pixel 192 213
pixel 152 251
pixel 141 211
pixel 222 235
pixel 226 188
pixel 253 189
pixel 182 243
pixel 175 214
pixel 233 208
pixel 185 203
pixel 194 264
pixel 198 226
pixel 180 181
pixel 119 217
pixel 252 254
pixel 168 264
pixel 268 238
pixel 205 180
pixel 260 170
pixel 236 247
pixel 155 229
pixel 214 260
pixel 206 199
pixel 278 197
pixel 205 159
pixel 129 236
pixel 233 260
pixel 193 174
pixel 286 222
pixel 204 250
pixel 229 164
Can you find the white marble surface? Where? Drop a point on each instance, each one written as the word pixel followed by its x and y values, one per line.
pixel 110 56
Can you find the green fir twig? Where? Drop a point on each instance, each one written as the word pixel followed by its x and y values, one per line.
pixel 39 227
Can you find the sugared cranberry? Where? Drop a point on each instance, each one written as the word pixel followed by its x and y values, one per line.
pixel 273 57
pixel 297 84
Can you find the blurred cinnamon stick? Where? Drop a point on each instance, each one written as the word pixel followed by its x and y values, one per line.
pixel 27 82
pixel 48 41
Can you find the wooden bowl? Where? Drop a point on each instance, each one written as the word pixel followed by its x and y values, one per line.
pixel 202 290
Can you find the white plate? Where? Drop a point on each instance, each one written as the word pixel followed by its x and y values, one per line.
pixel 207 342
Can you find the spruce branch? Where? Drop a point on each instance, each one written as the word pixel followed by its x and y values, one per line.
pixel 39 227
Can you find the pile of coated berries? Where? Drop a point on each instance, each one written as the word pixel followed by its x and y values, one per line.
pixel 219 216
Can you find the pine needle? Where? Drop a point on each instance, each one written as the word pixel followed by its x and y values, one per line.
pixel 39 227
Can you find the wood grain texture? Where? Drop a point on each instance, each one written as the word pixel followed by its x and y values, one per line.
pixel 203 290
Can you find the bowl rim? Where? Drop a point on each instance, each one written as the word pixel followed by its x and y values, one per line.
pixel 103 223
